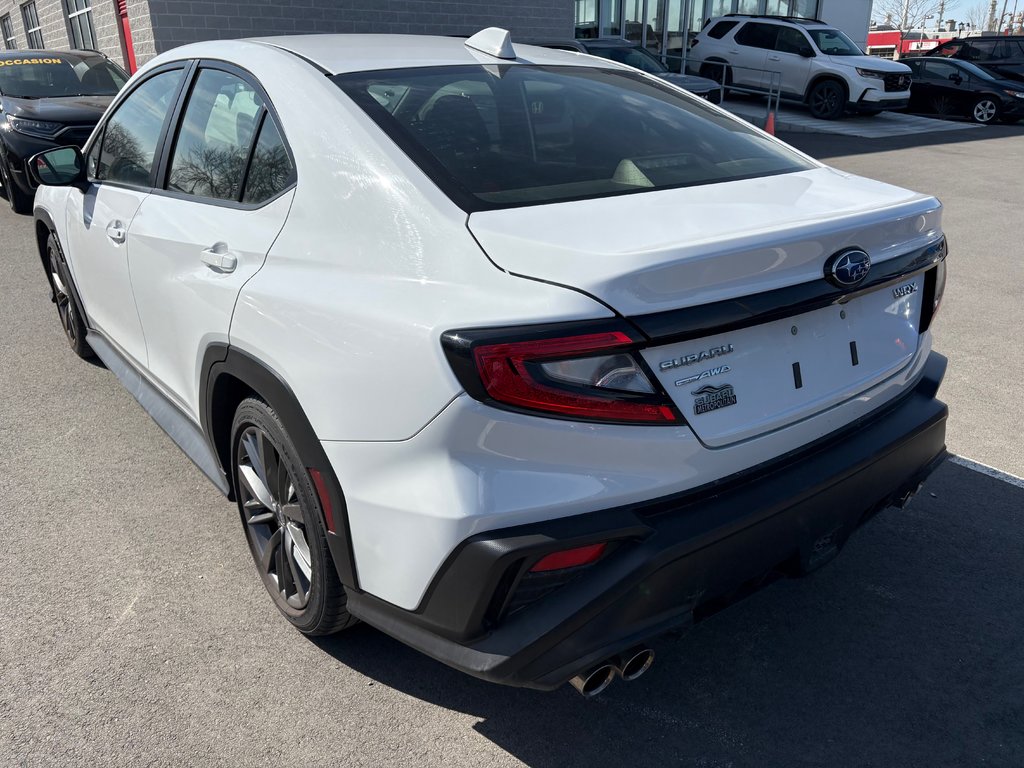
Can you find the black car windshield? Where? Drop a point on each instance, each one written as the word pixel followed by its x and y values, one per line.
pixel 499 136
pixel 832 42
pixel 35 76
pixel 637 57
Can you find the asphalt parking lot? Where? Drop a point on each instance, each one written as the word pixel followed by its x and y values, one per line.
pixel 134 631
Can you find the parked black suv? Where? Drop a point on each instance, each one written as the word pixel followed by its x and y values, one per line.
pixel 1002 55
pixel 48 99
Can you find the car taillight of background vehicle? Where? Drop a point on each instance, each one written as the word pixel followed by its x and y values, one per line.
pixel 575 371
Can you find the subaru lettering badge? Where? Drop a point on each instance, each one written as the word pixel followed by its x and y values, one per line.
pixel 847 268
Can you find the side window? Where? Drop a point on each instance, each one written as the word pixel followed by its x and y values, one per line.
pixel 940 70
pixel 131 134
pixel 982 50
pixel 791 41
pixel 271 171
pixel 721 29
pixel 213 143
pixel 757 35
pixel 951 49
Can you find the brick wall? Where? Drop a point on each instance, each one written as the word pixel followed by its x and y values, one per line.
pixel 176 22
pixel 51 17
pixel 159 25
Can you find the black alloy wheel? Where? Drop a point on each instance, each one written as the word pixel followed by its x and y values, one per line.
pixel 283 523
pixel 60 284
pixel 827 100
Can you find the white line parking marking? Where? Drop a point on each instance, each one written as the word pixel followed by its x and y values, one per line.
pixel 985 469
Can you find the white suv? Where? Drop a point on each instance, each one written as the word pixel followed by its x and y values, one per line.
pixel 806 59
pixel 520 356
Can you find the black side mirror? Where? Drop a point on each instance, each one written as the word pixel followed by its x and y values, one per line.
pixel 60 167
pixel 956 78
pixel 807 52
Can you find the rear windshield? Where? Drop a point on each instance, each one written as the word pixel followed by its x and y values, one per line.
pixel 35 76
pixel 508 135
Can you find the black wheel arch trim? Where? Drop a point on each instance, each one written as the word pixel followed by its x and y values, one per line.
pixel 42 216
pixel 222 359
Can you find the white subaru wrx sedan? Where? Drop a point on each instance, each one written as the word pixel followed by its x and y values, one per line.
pixel 521 356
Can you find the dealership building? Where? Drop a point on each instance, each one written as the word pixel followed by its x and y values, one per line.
pixel 133 31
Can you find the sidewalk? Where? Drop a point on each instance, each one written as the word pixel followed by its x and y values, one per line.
pixel 795 119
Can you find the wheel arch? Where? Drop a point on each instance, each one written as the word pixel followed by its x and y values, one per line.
pixel 44 227
pixel 230 375
pixel 827 76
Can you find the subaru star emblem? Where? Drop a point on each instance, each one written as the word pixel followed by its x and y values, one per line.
pixel 847 268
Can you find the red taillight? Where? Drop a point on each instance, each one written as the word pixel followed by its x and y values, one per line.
pixel 573 376
pixel 569 558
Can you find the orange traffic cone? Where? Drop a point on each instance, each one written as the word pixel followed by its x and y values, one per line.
pixel 769 124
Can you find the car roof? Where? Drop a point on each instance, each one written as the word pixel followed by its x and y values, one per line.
pixel 337 54
pixel 766 17
pixel 984 37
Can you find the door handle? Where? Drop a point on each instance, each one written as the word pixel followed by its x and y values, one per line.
pixel 116 231
pixel 774 58
pixel 219 258
pixel 734 52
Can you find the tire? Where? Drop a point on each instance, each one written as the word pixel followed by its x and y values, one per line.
pixel 985 110
pixel 61 294
pixel 827 100
pixel 19 201
pixel 284 525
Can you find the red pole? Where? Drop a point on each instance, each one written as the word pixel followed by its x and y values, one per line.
pixel 126 35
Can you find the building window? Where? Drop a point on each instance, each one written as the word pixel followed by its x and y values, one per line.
pixel 7 30
pixel 79 14
pixel 33 29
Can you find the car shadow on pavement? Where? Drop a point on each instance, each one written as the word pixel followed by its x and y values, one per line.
pixel 905 650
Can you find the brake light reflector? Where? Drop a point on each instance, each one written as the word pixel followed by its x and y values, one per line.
pixel 569 558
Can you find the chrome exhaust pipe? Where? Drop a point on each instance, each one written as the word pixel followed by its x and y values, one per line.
pixel 634 662
pixel 593 681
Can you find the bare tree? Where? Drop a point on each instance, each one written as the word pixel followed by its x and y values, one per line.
pixel 977 15
pixel 912 15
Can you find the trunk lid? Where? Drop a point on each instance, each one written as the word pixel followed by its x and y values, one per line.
pixel 673 249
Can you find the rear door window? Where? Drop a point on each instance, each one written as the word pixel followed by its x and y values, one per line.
pixel 721 29
pixel 982 50
pixel 758 35
pixel 271 171
pixel 215 137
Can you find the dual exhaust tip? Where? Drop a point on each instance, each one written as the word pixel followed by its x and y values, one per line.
pixel 629 666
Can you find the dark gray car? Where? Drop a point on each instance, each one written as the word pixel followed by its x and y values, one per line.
pixel 633 55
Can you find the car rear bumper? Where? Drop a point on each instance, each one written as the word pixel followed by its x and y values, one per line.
pixel 670 556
